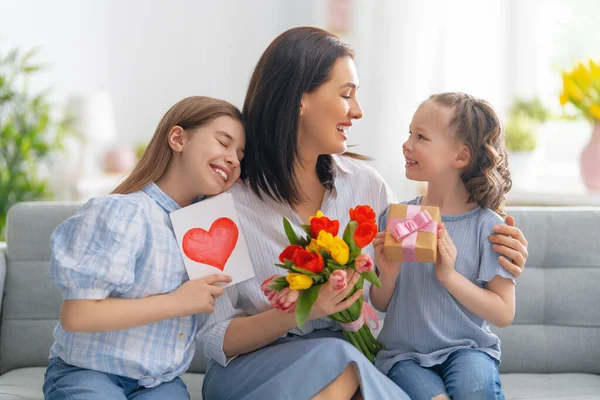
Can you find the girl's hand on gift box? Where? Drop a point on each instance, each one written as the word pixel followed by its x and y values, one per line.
pixel 331 301
pixel 388 270
pixel 446 255
pixel 511 243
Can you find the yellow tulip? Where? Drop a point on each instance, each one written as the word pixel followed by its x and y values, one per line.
pixel 341 254
pixel 581 87
pixel 319 215
pixel 314 246
pixel 564 98
pixel 572 90
pixel 299 281
pixel 337 248
pixel 594 70
pixel 582 77
pixel 595 111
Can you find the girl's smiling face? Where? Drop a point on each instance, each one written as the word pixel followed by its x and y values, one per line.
pixel 431 150
pixel 212 153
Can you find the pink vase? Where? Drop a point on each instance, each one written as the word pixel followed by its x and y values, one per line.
pixel 590 160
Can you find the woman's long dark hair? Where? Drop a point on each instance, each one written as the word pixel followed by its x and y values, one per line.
pixel 298 61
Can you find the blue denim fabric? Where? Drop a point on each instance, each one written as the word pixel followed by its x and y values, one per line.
pixel 466 374
pixel 64 381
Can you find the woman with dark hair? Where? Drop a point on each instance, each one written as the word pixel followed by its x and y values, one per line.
pixel 299 108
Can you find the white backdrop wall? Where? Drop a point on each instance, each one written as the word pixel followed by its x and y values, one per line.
pixel 408 50
pixel 148 54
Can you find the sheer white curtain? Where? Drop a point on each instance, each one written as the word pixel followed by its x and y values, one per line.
pixel 554 35
pixel 397 46
pixel 495 49
pixel 407 50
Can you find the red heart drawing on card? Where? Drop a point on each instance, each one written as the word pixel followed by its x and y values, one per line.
pixel 213 247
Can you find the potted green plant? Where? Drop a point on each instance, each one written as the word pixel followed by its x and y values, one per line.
pixel 521 133
pixel 30 133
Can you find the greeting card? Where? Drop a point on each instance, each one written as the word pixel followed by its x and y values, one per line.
pixel 210 239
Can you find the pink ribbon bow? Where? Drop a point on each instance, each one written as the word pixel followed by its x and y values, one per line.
pixel 367 315
pixel 411 225
pixel 407 229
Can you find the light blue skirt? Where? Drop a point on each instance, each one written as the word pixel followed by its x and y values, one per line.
pixel 295 367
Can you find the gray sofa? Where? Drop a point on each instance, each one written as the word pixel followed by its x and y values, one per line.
pixel 552 350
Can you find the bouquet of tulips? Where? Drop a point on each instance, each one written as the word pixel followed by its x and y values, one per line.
pixel 581 87
pixel 322 256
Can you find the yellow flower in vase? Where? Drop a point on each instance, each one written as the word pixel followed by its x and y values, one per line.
pixel 582 77
pixel 595 71
pixel 564 98
pixel 581 88
pixel 595 111
pixel 571 88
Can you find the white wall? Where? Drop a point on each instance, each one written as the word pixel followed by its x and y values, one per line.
pixel 408 50
pixel 147 54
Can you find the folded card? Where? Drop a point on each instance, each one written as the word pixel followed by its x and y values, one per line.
pixel 210 239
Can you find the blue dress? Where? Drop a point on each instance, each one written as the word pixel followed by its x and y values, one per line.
pixel 423 321
pixel 296 367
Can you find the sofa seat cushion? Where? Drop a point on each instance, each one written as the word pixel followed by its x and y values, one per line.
pixel 26 384
pixel 22 383
pixel 551 386
pixel 193 382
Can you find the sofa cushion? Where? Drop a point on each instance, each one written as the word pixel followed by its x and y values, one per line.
pixel 22 383
pixel 557 323
pixel 31 301
pixel 194 384
pixel 551 386
pixel 26 383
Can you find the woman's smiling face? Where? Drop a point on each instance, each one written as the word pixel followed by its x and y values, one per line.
pixel 326 114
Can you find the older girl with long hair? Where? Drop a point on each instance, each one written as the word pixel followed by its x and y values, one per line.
pixel 130 314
